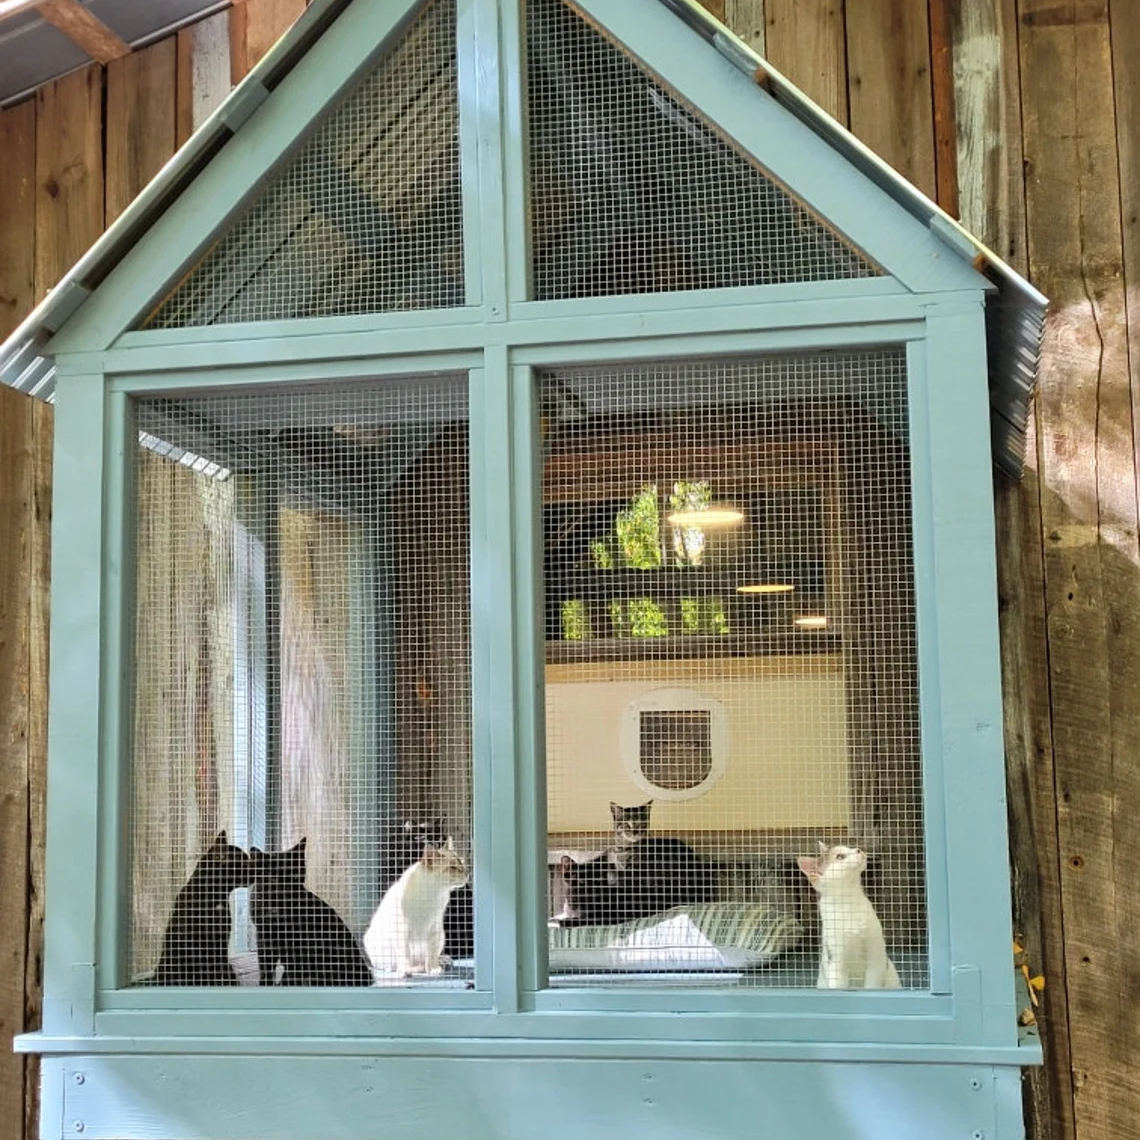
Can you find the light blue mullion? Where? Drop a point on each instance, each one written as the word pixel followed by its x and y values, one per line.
pixel 494 606
pixel 965 588
pixel 115 767
pixel 482 775
pixel 530 650
pixel 484 100
pixel 512 48
pixel 74 715
pixel 929 682
pixel 467 67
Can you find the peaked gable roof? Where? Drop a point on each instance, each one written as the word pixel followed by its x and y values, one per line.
pixel 1015 310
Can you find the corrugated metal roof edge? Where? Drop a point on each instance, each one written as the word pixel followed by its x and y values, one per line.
pixel 1015 345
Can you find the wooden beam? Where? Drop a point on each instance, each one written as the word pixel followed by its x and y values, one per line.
pixel 1089 520
pixel 84 29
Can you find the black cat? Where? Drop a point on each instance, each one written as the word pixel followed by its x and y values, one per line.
pixel 406 846
pixel 459 923
pixel 195 948
pixel 637 876
pixel 298 930
pixel 586 894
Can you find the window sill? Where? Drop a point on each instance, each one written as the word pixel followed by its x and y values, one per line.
pixel 1025 1052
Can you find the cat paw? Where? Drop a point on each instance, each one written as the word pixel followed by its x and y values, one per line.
pixel 435 971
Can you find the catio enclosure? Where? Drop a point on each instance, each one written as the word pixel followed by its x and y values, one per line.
pixel 540 482
pixel 727 580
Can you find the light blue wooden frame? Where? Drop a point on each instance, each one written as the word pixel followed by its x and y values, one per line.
pixel 929 301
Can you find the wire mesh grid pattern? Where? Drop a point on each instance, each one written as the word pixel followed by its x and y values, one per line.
pixel 367 218
pixel 632 191
pixel 301 776
pixel 731 676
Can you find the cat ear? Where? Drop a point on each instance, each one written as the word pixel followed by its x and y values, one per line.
pixel 450 844
pixel 567 861
pixel 616 810
pixel 810 868
pixel 823 847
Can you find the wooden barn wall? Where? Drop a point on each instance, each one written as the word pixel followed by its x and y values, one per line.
pixel 1023 117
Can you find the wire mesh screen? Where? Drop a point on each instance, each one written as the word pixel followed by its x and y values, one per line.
pixel 732 728
pixel 365 219
pixel 632 191
pixel 301 792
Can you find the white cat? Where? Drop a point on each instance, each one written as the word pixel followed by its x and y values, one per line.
pixel 405 935
pixel 853 954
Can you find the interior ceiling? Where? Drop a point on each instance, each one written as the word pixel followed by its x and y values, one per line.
pixel 32 52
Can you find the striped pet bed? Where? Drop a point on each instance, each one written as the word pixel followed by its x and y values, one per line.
pixel 710 936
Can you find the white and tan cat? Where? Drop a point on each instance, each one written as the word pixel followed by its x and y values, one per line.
pixel 405 935
pixel 853 954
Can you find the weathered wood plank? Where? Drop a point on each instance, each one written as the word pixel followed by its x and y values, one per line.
pixel 1126 77
pixel 746 19
pixel 255 26
pixel 942 87
pixel 84 29
pixel 38 624
pixel 17 218
pixel 987 107
pixel 184 85
pixel 69 173
pixel 992 201
pixel 888 66
pixel 807 43
pixel 16 492
pixel 1089 517
pixel 203 72
pixel 1031 794
pixel 140 121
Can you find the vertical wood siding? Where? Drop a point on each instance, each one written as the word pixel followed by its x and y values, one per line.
pixel 1023 117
